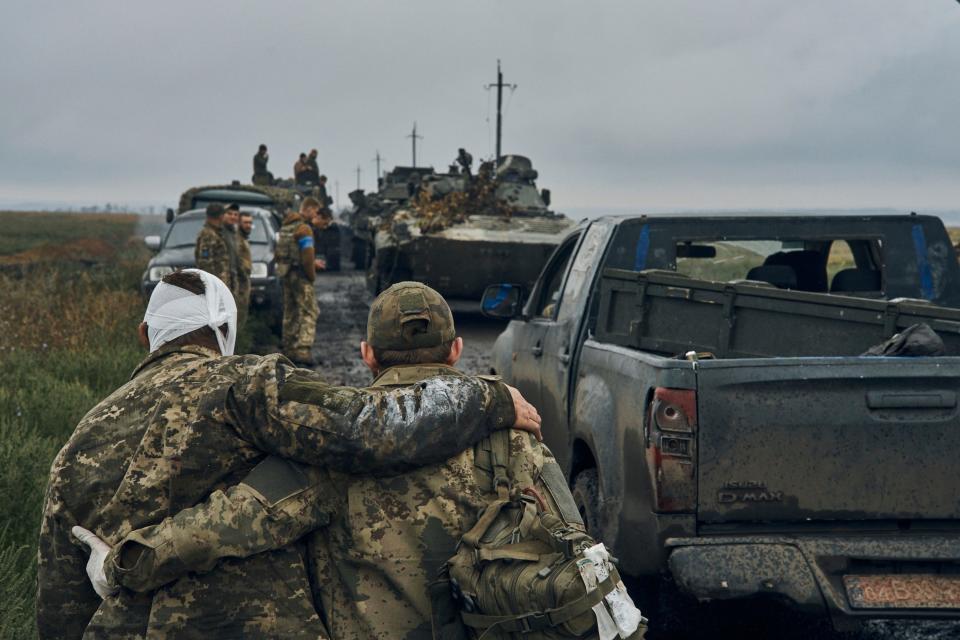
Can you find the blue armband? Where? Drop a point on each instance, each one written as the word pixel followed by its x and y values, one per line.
pixel 305 242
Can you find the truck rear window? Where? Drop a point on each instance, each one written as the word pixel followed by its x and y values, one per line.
pixel 841 265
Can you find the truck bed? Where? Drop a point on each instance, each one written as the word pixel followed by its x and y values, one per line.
pixel 673 314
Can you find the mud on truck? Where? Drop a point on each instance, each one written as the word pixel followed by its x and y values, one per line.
pixel 701 381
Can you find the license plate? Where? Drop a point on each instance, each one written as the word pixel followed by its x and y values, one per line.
pixel 908 591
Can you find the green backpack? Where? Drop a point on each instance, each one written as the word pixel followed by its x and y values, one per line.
pixel 517 572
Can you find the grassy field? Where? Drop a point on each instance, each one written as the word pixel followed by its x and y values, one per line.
pixel 68 288
pixel 69 294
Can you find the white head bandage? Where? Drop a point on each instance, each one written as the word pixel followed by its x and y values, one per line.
pixel 173 312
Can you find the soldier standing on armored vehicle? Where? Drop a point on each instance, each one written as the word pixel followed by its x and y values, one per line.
pixel 325 200
pixel 212 254
pixel 314 170
pixel 301 172
pixel 297 268
pixel 261 176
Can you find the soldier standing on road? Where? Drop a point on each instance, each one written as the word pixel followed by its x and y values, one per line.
pixel 375 564
pixel 195 419
pixel 297 267
pixel 261 175
pixel 244 267
pixel 212 254
pixel 231 221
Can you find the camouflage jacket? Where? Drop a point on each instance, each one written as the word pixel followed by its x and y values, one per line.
pixel 212 254
pixel 387 539
pixel 232 238
pixel 191 422
pixel 245 261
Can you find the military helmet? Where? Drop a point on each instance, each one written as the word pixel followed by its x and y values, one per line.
pixel 392 324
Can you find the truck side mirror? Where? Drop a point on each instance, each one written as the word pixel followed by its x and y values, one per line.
pixel 169 216
pixel 152 242
pixel 502 301
pixel 545 195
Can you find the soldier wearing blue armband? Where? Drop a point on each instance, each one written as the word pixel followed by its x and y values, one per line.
pixel 297 269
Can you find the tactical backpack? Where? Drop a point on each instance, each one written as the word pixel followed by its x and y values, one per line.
pixel 517 572
pixel 287 253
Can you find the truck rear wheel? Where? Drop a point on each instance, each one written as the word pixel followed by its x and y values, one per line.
pixel 586 494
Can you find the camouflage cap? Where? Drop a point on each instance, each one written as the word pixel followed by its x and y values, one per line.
pixel 392 321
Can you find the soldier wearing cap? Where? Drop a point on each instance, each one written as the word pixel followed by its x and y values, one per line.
pixel 389 536
pixel 212 253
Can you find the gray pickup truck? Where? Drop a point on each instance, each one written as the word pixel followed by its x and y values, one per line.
pixel 701 382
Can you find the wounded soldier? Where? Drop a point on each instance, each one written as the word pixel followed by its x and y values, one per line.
pixel 488 541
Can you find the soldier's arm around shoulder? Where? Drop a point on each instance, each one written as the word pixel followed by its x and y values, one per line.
pixel 293 413
pixel 277 503
pixel 303 234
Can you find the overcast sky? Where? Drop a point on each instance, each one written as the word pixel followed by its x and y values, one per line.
pixel 639 104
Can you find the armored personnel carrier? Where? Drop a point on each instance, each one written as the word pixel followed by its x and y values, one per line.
pixel 459 232
pixel 395 188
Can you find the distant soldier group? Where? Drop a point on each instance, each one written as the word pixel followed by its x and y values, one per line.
pixel 223 249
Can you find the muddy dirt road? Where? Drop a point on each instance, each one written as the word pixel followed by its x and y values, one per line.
pixel 344 303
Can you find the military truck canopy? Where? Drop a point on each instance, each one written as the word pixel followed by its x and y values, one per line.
pixel 202 198
pixel 275 198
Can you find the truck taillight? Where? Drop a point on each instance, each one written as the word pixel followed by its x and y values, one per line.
pixel 671 449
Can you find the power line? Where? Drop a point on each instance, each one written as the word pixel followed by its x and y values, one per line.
pixel 414 137
pixel 500 85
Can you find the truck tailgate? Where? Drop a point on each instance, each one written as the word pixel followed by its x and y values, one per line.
pixel 827 439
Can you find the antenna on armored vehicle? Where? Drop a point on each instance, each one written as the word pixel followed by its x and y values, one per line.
pixel 500 85
pixel 413 136
pixel 378 159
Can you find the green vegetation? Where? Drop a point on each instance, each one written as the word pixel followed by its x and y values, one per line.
pixel 67 339
pixel 69 294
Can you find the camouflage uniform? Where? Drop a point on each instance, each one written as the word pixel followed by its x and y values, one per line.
pixel 231 236
pixel 212 254
pixel 191 422
pixel 295 266
pixel 244 268
pixel 389 536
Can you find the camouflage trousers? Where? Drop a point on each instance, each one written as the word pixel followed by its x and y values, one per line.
pixel 299 314
pixel 242 298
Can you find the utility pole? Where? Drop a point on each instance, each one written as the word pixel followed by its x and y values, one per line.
pixel 336 194
pixel 500 85
pixel 378 159
pixel 358 177
pixel 413 136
